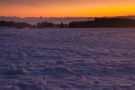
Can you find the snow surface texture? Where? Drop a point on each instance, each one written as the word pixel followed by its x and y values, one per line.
pixel 67 59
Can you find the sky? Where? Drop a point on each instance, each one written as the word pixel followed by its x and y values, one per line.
pixel 66 8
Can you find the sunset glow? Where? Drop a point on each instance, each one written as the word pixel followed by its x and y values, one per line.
pixel 66 8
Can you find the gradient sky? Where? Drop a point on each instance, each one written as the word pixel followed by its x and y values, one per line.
pixel 66 8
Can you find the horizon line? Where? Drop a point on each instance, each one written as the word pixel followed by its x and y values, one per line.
pixel 70 16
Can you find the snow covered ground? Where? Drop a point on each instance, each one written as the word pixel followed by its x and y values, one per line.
pixel 67 59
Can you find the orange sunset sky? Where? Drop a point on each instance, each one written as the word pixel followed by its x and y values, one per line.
pixel 66 8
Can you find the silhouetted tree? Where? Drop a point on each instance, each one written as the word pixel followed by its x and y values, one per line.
pixel 61 25
pixel 44 25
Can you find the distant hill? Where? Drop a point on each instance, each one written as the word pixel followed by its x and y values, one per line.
pixel 71 22
pixel 128 17
pixel 55 20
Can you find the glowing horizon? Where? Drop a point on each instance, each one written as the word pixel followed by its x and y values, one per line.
pixel 67 8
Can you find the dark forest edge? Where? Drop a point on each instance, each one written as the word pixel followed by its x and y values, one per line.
pixel 97 23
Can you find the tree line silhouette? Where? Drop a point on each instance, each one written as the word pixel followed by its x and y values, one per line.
pixel 103 22
pixel 14 24
pixel 21 25
pixel 97 23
